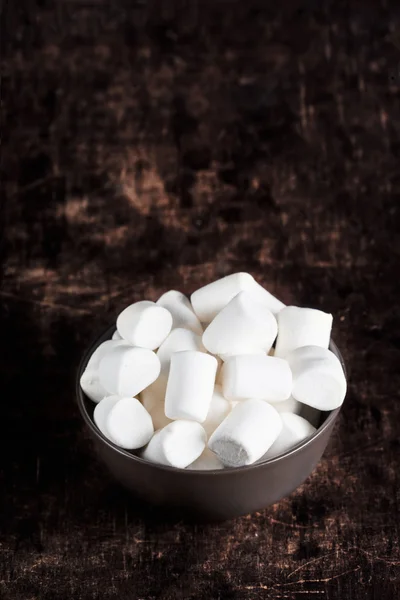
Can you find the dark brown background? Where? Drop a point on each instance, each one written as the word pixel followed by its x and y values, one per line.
pixel 157 145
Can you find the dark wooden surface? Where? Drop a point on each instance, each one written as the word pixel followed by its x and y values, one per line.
pixel 157 145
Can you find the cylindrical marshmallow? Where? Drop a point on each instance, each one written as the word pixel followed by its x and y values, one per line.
pixel 299 327
pixel 318 378
pixel 126 371
pixel 177 445
pixel 116 335
pixel 243 326
pixel 129 424
pixel 295 429
pixel 183 315
pixel 178 341
pixel 209 300
pixel 220 407
pixel 290 405
pixel 190 385
pixel 246 434
pixel 256 376
pixel 101 412
pixel 144 324
pixel 208 461
pixel 90 381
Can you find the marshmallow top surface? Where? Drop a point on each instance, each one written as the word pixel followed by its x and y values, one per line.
pixel 181 310
pixel 129 424
pixel 244 323
pixel 144 324
pixel 126 371
pixel 302 327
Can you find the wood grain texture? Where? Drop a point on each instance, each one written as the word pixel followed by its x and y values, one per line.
pixel 156 145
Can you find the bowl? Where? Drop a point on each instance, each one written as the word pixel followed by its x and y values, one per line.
pixel 207 495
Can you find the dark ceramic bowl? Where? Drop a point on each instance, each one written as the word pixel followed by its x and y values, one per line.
pixel 208 495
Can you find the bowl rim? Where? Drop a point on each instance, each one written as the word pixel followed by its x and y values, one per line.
pixel 107 334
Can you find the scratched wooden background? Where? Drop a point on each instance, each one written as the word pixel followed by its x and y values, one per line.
pixel 155 145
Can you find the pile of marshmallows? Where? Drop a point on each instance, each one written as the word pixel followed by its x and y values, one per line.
pixel 215 394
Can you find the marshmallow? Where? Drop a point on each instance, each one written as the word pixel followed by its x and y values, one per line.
pixel 220 407
pixel 208 461
pixel 126 371
pixel 101 412
pixel 295 429
pixel 302 327
pixel 116 335
pixel 144 324
pixel 190 385
pixel 178 341
pixel 209 300
pixel 177 445
pixel 290 405
pixel 246 434
pixel 244 326
pixel 90 382
pixel 129 424
pixel 256 376
pixel 181 310
pixel 318 378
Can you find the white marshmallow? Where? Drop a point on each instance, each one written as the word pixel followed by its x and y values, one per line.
pixel 246 434
pixel 290 405
pixel 129 424
pixel 220 407
pixel 318 378
pixel 126 371
pixel 256 376
pixel 181 310
pixel 208 461
pixel 209 300
pixel 144 324
pixel 90 382
pixel 178 341
pixel 101 412
pixel 116 335
pixel 243 326
pixel 302 327
pixel 295 429
pixel 190 385
pixel 177 445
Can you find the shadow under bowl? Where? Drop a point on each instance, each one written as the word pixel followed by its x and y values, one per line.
pixel 207 495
